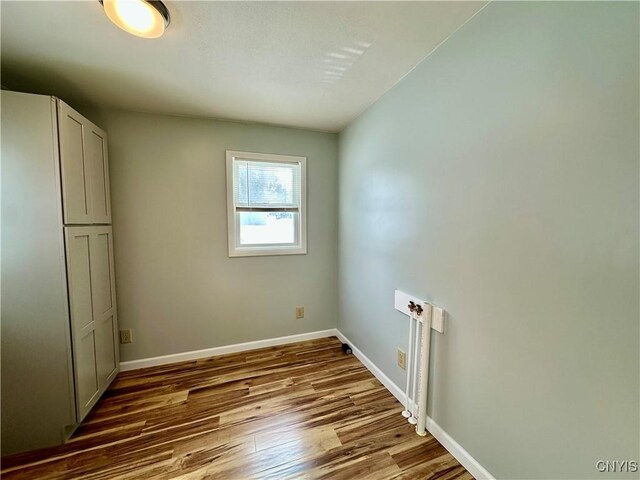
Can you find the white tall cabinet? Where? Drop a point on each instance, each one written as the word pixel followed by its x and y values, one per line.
pixel 59 315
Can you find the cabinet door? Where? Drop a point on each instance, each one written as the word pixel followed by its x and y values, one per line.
pixel 75 175
pixel 92 303
pixel 78 245
pixel 104 305
pixel 85 169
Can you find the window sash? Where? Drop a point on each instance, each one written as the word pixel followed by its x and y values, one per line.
pixel 281 174
pixel 297 225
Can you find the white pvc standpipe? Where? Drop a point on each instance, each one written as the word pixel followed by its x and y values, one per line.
pixel 421 428
pixel 414 389
pixel 406 413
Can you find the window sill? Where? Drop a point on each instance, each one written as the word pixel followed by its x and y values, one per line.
pixel 264 252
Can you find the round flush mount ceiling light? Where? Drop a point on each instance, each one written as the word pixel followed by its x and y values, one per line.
pixel 143 18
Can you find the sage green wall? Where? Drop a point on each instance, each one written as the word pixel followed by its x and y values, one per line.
pixel 177 288
pixel 500 180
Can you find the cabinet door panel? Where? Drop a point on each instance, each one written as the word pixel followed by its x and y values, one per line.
pixel 75 178
pixel 79 270
pixel 104 304
pixel 106 355
pixel 87 379
pixel 98 168
pixel 102 293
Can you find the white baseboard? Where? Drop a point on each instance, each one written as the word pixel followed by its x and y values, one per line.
pixel 210 352
pixel 453 447
pixel 386 381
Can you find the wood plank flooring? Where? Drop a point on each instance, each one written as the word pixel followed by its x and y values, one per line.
pixel 298 411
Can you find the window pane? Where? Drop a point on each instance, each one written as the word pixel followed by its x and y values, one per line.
pixel 270 184
pixel 266 184
pixel 267 228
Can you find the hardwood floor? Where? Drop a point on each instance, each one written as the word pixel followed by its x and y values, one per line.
pixel 303 411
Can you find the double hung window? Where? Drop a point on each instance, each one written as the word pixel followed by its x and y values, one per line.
pixel 266 204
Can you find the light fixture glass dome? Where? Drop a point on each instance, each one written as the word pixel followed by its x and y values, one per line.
pixel 143 18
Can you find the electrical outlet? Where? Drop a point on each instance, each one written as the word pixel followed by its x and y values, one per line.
pixel 126 336
pixel 299 312
pixel 402 359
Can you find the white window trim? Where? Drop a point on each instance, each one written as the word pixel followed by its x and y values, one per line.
pixel 232 227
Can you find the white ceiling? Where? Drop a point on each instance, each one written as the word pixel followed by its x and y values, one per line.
pixel 315 65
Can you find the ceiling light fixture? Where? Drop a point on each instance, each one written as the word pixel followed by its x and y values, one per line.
pixel 143 18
